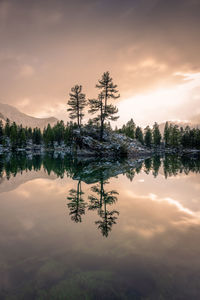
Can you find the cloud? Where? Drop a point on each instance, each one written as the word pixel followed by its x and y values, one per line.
pixel 26 71
pixel 143 43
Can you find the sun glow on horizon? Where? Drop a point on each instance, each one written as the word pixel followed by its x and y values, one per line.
pixel 159 105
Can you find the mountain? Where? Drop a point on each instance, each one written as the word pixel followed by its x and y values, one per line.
pixel 14 115
pixel 21 178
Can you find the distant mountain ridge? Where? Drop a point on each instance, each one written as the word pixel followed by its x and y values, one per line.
pixel 14 115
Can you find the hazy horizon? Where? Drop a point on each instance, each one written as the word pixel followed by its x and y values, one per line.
pixel 151 49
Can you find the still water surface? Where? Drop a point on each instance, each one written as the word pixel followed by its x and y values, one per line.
pixel 99 230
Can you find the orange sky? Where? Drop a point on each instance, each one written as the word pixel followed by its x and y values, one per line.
pixel 150 47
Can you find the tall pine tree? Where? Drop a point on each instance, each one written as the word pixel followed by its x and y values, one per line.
pixel 166 134
pixel 148 136
pixel 108 90
pixel 156 135
pixel 77 103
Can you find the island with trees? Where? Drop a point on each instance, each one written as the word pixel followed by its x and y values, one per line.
pixel 96 137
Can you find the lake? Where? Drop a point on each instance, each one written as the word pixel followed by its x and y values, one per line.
pixel 77 229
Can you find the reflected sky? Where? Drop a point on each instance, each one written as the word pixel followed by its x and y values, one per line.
pixel 151 251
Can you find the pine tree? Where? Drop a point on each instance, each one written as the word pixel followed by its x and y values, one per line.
pixel 21 136
pixel 156 135
pixel 106 111
pixel 129 129
pixel 148 136
pixel 105 84
pixel 174 136
pixel 37 136
pixel 166 134
pixel 1 133
pixel 13 135
pixel 29 133
pixel 58 131
pixel 7 128
pixel 77 103
pixel 139 135
pixel 48 136
pixel 96 105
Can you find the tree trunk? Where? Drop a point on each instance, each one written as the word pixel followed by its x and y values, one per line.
pixel 102 121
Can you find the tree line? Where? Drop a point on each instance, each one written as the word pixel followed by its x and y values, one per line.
pixel 17 136
pixel 173 135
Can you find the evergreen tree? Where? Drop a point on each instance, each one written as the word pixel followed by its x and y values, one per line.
pixel 108 90
pixel 96 105
pixel 129 129
pixel 174 136
pixel 166 134
pixel 77 103
pixel 156 135
pixel 59 131
pixel 21 136
pixel 139 135
pixel 68 134
pixel 48 136
pixel 7 128
pixel 1 133
pixel 29 133
pixel 148 136
pixel 37 136
pixel 13 135
pixel 185 138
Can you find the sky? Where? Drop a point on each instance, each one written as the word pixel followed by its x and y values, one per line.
pixel 150 47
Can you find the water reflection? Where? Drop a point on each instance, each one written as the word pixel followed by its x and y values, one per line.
pixel 99 201
pixel 90 171
pixel 76 203
pixel 53 229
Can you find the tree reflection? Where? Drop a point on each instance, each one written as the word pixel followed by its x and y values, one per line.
pixel 76 203
pixel 156 163
pixel 130 174
pixel 147 165
pixel 100 202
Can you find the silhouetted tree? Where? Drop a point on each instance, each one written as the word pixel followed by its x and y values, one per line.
pixel 129 129
pixel 156 135
pixel 148 136
pixel 1 133
pixel 166 134
pixel 7 128
pixel 108 90
pixel 77 103
pixel 139 135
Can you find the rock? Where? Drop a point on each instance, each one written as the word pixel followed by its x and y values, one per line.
pixel 112 145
